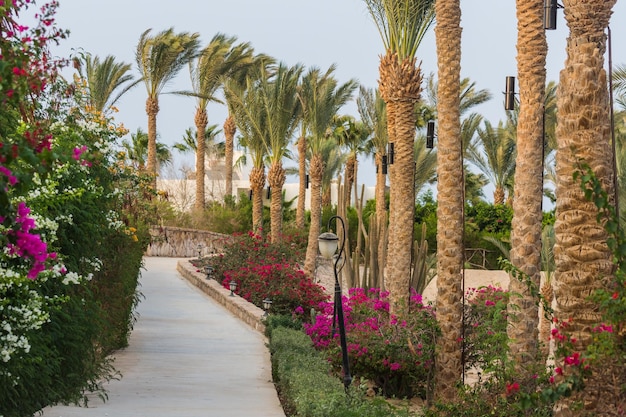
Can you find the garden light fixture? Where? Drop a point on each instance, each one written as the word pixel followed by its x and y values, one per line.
pixel 199 250
pixel 233 286
pixel 328 243
pixel 208 271
pixel 267 303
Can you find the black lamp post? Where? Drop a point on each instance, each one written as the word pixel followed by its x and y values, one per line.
pixel 328 243
pixel 233 286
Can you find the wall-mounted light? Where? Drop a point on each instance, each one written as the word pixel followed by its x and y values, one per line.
pixel 509 93
pixel 250 195
pixel 384 164
pixel 430 134
pixel 306 182
pixel 269 192
pixel 549 14
pixel 391 153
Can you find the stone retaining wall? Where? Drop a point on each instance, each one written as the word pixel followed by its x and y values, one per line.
pixel 177 242
pixel 245 311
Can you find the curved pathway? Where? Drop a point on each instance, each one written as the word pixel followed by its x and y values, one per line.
pixel 187 357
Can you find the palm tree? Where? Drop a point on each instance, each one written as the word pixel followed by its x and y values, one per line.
pixel 137 151
pixel 352 135
pixel 211 147
pixel 493 153
pixel 220 58
pixel 425 164
pixel 281 119
pixel 583 260
pixel 107 81
pixel 619 79
pixel 450 207
pixel 236 81
pixel 526 229
pixel 373 112
pixel 402 26
pixel 334 159
pixel 248 109
pixel 159 58
pixel 321 97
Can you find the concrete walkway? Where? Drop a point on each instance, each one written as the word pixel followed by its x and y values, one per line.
pixel 187 357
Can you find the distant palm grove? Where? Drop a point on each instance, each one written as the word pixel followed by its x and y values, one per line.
pixel 563 142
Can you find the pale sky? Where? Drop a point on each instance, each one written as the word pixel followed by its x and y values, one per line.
pixel 315 33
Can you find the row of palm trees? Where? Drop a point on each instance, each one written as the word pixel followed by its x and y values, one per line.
pixel 269 102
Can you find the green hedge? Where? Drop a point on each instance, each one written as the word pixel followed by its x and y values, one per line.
pixel 308 388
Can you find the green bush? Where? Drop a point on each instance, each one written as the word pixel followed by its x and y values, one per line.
pixel 307 387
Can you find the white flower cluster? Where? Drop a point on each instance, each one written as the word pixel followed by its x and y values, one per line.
pixel 18 315
pixel 94 263
pixel 114 222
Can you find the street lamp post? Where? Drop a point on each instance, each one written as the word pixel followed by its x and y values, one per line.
pixel 328 243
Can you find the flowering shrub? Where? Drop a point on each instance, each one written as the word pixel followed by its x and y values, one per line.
pixel 396 354
pixel 485 322
pixel 262 269
pixel 62 227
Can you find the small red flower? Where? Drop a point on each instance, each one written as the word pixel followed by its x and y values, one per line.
pixel 512 388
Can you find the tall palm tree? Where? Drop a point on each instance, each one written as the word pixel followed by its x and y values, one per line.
pixel 493 153
pixel 214 63
pixel 526 227
pixel 352 134
pixel 107 80
pixel 450 207
pixel 281 119
pixel 321 97
pixel 334 160
pixel 137 151
pixel 159 58
pixel 236 81
pixel 373 112
pixel 249 113
pixel 583 260
pixel 402 26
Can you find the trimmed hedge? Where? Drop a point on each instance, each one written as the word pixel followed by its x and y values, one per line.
pixel 306 385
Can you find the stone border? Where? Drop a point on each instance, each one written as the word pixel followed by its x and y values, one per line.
pixel 244 310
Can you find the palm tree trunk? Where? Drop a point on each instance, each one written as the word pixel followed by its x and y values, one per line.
pixel 257 182
pixel 498 196
pixel 300 209
pixel 349 179
pixel 201 121
pixel 229 144
pixel 402 193
pixel 583 260
pixel 450 197
pixel 315 175
pixel 400 87
pixel 381 215
pixel 276 179
pixel 523 310
pixel 152 109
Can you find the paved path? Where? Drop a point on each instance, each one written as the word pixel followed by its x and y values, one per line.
pixel 187 357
